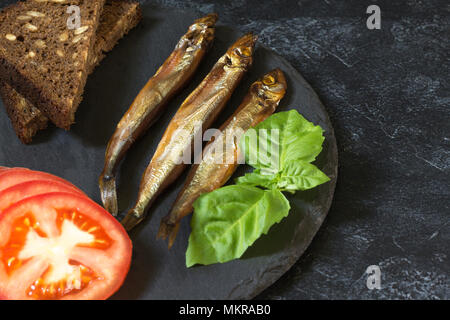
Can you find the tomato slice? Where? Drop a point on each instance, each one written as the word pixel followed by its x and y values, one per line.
pixel 33 188
pixel 11 177
pixel 61 246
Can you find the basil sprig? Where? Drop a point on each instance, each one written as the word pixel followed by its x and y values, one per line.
pixel 227 221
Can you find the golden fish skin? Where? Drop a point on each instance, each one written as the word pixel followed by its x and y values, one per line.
pixel 202 107
pixel 220 157
pixel 171 77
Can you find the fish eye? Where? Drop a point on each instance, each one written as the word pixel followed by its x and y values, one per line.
pixel 245 52
pixel 269 80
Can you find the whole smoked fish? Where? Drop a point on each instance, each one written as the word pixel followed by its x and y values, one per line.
pixel 220 157
pixel 171 77
pixel 202 107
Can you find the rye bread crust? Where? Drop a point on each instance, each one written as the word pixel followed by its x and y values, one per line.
pixel 25 119
pixel 119 18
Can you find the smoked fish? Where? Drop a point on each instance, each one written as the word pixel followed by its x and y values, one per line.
pixel 220 157
pixel 196 114
pixel 171 77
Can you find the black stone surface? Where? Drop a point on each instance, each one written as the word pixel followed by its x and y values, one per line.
pixel 156 272
pixel 387 92
pixel 388 95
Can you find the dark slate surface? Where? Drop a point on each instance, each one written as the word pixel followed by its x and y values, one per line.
pixel 387 92
pixel 157 273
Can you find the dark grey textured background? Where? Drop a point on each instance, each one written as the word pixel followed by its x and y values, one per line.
pixel 387 92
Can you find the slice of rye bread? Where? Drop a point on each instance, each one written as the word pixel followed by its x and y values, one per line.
pixel 45 60
pixel 118 18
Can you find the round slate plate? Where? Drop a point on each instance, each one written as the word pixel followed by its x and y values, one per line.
pixel 78 157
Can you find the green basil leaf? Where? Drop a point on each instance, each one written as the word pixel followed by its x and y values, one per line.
pixel 255 178
pixel 296 175
pixel 229 220
pixel 283 137
pixel 300 175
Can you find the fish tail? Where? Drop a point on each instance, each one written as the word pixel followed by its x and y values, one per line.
pixel 132 219
pixel 173 234
pixel 164 229
pixel 109 194
pixel 168 230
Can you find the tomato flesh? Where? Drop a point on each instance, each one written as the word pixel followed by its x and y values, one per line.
pixel 43 288
pixel 32 188
pixel 14 176
pixel 61 246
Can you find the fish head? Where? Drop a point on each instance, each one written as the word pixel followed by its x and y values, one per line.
pixel 201 32
pixel 272 86
pixel 240 54
pixel 207 21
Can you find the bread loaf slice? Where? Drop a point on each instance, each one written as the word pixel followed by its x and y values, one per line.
pixel 45 60
pixel 118 18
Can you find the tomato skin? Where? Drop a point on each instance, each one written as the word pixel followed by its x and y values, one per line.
pixel 120 253
pixel 13 176
pixel 32 188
